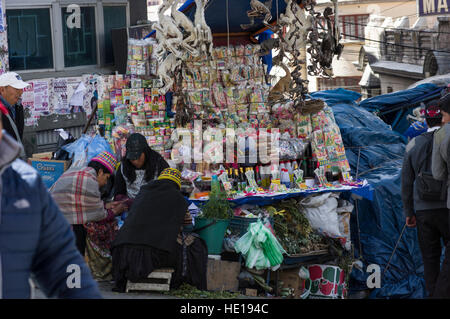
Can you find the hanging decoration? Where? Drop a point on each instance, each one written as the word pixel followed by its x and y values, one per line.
pixel 298 26
pixel 258 10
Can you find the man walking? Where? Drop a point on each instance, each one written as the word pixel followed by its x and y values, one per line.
pixel 424 200
pixel 441 171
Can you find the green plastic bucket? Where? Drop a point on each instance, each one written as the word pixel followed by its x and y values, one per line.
pixel 213 235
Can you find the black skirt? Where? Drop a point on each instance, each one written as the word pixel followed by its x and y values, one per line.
pixel 192 264
pixel 136 262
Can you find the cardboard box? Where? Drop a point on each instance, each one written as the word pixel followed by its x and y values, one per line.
pixel 50 170
pixel 223 275
pixel 44 156
pixel 251 292
pixel 291 279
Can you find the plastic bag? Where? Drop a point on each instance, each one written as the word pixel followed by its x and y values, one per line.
pixel 260 247
pixel 291 149
pixel 85 148
pixel 344 211
pixel 79 161
pixel 97 145
pixel 64 138
pixel 77 151
pixel 321 212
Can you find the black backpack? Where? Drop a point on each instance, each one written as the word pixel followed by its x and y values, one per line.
pixel 428 188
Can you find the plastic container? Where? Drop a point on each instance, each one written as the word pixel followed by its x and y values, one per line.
pixel 213 235
pixel 215 185
pixel 238 225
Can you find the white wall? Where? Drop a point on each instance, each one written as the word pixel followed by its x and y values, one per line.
pixel 397 83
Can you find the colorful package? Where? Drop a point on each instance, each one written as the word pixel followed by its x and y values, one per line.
pixel 219 95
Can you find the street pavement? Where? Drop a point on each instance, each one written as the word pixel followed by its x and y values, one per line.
pixel 107 293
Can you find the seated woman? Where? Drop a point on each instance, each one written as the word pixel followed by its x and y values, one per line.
pixel 140 166
pixel 148 238
pixel 77 193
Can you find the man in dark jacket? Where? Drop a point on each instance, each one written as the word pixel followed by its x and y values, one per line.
pixel 35 238
pixel 428 212
pixel 11 89
pixel 441 171
pixel 441 149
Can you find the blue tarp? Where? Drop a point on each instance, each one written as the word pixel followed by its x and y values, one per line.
pixel 391 100
pixel 394 107
pixel 365 191
pixel 375 152
pixel 267 59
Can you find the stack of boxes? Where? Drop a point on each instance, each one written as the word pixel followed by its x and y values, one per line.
pixel 135 103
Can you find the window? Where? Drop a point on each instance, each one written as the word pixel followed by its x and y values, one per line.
pixel 80 46
pixel 29 39
pixel 345 82
pixel 39 38
pixel 389 89
pixel 114 17
pixel 353 26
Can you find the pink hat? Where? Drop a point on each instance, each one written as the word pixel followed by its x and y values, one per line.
pixel 106 159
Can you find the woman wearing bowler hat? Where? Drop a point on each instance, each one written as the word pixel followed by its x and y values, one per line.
pixel 140 165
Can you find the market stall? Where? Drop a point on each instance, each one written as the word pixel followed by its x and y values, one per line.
pixel 269 157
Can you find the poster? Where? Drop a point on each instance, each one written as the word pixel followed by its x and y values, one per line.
pixel 2 21
pixel 73 86
pixel 28 105
pixel 41 97
pixel 60 98
pixel 76 100
pixel 94 89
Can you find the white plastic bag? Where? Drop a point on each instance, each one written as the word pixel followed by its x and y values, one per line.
pixel 321 211
pixel 80 160
pixel 344 211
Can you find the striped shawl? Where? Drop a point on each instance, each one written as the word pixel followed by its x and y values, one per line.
pixel 78 196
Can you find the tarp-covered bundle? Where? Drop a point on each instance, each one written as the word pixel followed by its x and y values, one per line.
pixel 375 153
pixel 394 107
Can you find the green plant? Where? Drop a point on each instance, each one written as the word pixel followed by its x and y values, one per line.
pixel 217 207
pixel 187 291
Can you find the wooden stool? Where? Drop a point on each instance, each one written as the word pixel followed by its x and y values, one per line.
pixel 158 280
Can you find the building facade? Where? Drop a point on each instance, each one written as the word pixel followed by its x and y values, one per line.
pixel 152 9
pixel 61 44
pixel 400 54
pixel 354 17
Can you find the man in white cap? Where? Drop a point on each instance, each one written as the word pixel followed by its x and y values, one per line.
pixel 11 89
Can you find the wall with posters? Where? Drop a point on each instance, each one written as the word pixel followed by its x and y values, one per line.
pixel 54 103
pixel 60 96
pixel 4 56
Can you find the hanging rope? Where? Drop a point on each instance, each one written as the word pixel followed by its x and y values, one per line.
pixel 357 165
pixel 359 230
pixel 393 252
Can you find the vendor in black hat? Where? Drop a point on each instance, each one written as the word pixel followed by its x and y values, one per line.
pixel 140 165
